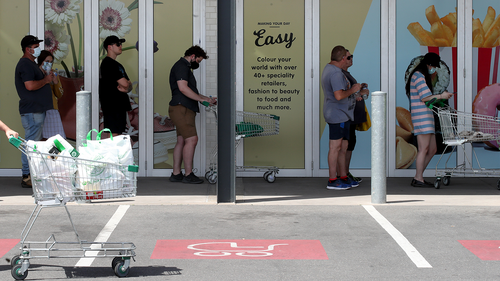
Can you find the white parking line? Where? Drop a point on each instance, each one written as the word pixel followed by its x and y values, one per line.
pixel 411 251
pixel 103 236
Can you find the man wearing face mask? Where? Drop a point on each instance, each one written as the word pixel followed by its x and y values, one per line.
pixel 33 88
pixel 182 111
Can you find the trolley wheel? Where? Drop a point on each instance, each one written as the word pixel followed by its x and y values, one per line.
pixel 266 174
pixel 437 184
pixel 213 178
pixel 115 261
pixel 119 271
pixel 446 180
pixel 16 272
pixel 498 184
pixel 208 174
pixel 270 178
pixel 16 260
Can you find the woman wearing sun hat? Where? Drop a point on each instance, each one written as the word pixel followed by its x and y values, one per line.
pixel 420 89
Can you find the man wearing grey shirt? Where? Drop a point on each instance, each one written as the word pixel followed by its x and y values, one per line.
pixel 338 111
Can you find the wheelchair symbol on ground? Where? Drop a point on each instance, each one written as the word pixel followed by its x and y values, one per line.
pixel 239 249
pixel 220 249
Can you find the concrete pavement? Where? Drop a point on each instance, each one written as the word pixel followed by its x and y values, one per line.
pixel 289 191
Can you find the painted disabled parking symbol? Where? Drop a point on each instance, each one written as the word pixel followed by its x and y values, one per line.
pixel 219 249
pixel 239 249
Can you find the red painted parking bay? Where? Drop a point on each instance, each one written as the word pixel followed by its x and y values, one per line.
pixel 488 250
pixel 239 249
pixel 6 245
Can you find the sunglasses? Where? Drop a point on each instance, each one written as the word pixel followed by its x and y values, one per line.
pixel 118 44
pixel 350 57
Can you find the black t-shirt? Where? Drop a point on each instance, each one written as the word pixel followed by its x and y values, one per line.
pixel 37 101
pixel 112 100
pixel 182 71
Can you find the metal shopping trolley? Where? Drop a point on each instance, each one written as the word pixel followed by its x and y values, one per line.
pixel 58 179
pixel 458 129
pixel 248 124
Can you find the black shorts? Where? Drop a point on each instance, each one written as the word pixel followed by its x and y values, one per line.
pixel 352 138
pixel 339 130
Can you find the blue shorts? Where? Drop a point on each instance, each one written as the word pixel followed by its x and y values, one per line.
pixel 340 130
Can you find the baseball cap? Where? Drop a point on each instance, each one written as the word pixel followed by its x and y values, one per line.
pixel 432 59
pixel 110 40
pixel 29 40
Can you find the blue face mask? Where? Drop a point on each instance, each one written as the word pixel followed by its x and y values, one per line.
pixel 432 70
pixel 37 52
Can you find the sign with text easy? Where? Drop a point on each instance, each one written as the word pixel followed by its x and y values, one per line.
pixel 239 249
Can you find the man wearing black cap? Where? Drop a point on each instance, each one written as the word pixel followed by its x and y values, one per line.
pixel 114 85
pixel 33 88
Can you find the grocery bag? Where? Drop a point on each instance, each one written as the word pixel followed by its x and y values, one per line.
pixel 53 169
pixel 104 176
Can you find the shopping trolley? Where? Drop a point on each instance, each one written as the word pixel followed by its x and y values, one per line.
pixel 248 124
pixel 58 179
pixel 458 129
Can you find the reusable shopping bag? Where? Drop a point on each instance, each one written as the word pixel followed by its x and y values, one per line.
pixel 107 172
pixel 365 125
pixel 52 169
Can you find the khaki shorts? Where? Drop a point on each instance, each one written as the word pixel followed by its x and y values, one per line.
pixel 183 120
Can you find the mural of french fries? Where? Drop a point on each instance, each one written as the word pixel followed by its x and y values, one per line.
pixel 443 32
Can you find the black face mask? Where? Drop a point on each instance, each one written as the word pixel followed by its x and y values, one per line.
pixel 194 65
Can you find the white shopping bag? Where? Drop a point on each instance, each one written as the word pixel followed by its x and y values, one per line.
pixel 52 176
pixel 110 176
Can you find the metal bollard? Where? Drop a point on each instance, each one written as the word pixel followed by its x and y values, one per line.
pixel 379 118
pixel 83 116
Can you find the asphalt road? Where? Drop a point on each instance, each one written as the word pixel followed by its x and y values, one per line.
pixel 361 242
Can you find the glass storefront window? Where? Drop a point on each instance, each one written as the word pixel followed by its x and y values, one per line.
pixel 12 14
pixel 485 75
pixel 362 38
pixel 173 22
pixel 422 27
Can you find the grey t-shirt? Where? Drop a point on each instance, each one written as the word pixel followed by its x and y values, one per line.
pixel 336 111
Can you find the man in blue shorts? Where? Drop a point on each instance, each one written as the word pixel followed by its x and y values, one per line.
pixel 338 111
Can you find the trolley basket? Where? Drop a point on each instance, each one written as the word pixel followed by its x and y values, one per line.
pixel 248 124
pixel 459 128
pixel 57 179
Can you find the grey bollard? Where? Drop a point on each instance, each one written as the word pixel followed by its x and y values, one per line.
pixel 83 116
pixel 379 118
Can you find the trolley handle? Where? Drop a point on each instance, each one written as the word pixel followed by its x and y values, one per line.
pixel 15 141
pixel 434 102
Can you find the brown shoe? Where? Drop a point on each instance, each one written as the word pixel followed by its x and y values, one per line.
pixel 26 181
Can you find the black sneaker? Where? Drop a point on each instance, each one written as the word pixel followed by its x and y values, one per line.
pixel 26 181
pixel 176 178
pixel 192 178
